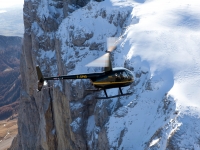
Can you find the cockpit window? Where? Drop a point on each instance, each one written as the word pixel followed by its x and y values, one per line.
pixel 121 75
pixel 116 76
pixel 130 75
pixel 124 74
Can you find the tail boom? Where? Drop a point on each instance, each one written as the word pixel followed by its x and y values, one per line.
pixel 41 79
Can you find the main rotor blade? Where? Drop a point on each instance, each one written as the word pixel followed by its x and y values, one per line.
pixel 112 43
pixel 102 61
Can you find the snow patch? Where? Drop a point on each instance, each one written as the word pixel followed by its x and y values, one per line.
pixel 76 124
pixel 154 142
pixel 91 124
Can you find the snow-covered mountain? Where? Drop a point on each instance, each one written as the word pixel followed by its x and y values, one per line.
pixel 160 45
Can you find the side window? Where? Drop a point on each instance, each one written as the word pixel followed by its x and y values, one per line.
pixel 112 75
pixel 103 78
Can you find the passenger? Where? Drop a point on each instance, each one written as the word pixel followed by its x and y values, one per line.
pixel 117 77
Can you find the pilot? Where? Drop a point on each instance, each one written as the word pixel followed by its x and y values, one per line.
pixel 117 77
pixel 121 76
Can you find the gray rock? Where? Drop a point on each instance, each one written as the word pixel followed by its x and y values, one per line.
pixel 94 46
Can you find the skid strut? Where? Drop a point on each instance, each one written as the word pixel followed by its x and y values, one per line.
pixel 120 89
pixel 105 92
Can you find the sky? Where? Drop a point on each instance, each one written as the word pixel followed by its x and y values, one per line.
pixel 4 4
pixel 11 17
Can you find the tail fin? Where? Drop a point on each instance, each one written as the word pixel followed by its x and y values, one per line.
pixel 40 78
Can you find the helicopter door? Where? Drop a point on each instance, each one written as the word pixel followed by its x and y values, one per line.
pixel 111 78
pixel 114 77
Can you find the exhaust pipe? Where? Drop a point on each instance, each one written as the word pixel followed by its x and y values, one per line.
pixel 40 78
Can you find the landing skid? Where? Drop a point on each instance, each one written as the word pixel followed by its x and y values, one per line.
pixel 94 90
pixel 107 97
pixel 113 96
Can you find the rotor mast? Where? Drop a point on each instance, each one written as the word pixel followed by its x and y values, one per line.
pixel 109 63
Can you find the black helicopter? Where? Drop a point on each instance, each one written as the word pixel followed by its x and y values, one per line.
pixel 109 78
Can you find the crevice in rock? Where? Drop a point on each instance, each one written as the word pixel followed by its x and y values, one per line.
pixel 53 128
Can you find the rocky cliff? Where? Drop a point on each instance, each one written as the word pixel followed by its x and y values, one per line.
pixel 62 37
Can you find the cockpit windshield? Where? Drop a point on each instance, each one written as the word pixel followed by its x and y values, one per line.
pixel 130 75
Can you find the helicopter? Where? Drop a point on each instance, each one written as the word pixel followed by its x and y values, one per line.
pixel 110 78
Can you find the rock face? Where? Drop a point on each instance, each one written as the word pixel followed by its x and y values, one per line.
pixel 46 117
pixel 62 37
pixel 10 80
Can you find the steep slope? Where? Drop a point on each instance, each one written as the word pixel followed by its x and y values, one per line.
pixel 10 49
pixel 160 46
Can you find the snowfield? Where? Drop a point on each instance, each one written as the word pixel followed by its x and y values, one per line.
pixel 168 36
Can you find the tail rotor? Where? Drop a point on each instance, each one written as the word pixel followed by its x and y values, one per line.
pixel 40 78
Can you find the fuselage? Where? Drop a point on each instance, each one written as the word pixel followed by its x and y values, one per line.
pixel 118 77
